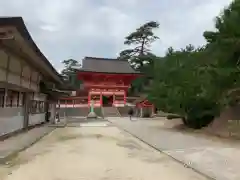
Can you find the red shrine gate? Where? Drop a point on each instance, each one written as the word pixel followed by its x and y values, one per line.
pixel 105 81
pixel 114 97
pixel 106 86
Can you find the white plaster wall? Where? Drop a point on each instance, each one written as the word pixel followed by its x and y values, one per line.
pixel 40 97
pixel 78 105
pixel 130 104
pixel 19 67
pixel 14 79
pixel 73 93
pixel 35 76
pixel 15 64
pixel 36 119
pixel 118 105
pixel 3 58
pixel 2 74
pixel 71 105
pixel 25 83
pixel 11 119
pixel 34 86
pixel 3 65
pixel 26 72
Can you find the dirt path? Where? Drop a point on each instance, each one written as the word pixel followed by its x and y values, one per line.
pixel 93 153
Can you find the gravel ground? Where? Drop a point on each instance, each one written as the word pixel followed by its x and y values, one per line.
pixel 96 152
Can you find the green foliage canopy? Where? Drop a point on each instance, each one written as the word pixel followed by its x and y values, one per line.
pixel 195 83
pixel 141 40
pixel 69 73
pixel 183 84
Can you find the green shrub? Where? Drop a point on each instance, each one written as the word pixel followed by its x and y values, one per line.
pixel 201 114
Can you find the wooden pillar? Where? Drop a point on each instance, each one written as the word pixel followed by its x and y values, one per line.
pixel 26 106
pixel 101 101
pixel 89 98
pixel 53 112
pixel 124 98
pixel 5 97
pixel 141 111
pixel 113 103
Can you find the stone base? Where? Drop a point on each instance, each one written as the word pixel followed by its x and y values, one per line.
pixel 92 115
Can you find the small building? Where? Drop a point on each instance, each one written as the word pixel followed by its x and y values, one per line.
pixel 144 108
pixel 105 82
pixel 28 81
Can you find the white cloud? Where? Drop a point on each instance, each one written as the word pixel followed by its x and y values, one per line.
pixel 76 28
pixel 50 28
pixel 186 25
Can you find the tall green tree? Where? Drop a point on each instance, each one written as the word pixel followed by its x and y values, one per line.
pixel 183 84
pixel 224 42
pixel 69 73
pixel 140 40
pixel 195 83
pixel 139 55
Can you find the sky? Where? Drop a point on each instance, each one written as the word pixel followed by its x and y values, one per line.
pixel 64 29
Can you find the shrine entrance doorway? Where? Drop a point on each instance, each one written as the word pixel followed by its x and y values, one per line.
pixel 107 100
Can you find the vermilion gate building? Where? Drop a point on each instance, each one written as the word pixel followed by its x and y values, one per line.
pixel 105 82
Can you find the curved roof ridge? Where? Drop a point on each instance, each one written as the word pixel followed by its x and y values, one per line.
pixel 103 59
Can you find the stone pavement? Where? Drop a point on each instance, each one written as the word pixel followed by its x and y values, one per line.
pixel 214 158
pixel 15 144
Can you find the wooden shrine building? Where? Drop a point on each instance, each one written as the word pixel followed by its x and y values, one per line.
pixel 29 84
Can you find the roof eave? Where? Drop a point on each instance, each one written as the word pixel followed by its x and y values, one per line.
pixel 19 24
pixel 132 73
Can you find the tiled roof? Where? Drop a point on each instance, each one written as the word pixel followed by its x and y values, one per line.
pixel 93 64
